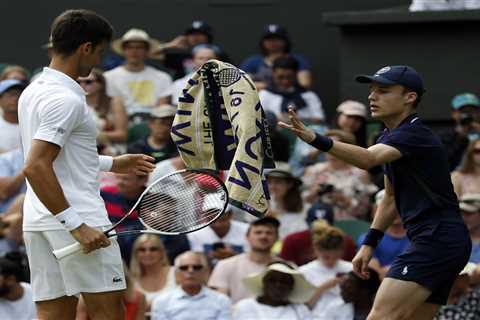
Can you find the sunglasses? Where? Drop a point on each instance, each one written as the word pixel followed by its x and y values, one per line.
pixel 151 249
pixel 193 267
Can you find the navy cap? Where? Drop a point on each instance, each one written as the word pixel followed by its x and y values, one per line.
pixel 11 83
pixel 274 30
pixel 199 26
pixel 391 75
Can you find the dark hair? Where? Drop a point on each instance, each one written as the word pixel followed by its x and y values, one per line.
pixel 419 96
pixel 360 134
pixel 74 27
pixel 288 43
pixel 266 221
pixel 104 101
pixel 286 63
pixel 9 267
pixel 372 283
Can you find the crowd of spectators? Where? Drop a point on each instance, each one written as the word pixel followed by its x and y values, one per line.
pixel 292 264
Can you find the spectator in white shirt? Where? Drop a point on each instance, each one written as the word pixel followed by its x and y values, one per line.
pixel 12 180
pixel 134 84
pixel 327 270
pixel 281 292
pixel 284 91
pixel 228 273
pixel 192 299
pixel 16 298
pixel 222 239
pixel 10 91
pixel 201 54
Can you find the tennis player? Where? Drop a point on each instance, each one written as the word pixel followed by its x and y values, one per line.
pixel 62 202
pixel 417 182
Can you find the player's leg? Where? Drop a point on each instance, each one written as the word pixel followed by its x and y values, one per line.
pixel 60 308
pixel 105 305
pixel 398 300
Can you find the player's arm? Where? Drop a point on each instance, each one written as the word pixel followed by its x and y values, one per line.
pixel 386 211
pixel 39 172
pixel 360 157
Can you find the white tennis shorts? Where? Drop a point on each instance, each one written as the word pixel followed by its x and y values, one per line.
pixel 98 271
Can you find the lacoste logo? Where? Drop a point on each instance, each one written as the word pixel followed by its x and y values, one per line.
pixel 116 279
pixel 405 270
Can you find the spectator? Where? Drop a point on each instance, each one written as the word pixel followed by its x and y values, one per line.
pixel 228 273
pixel 16 297
pixel 158 144
pixel 357 294
pixel 201 54
pixel 15 72
pixel 297 247
pixel 463 302
pixel 222 239
pixel 343 186
pixel 470 209
pixel 135 85
pixel 284 91
pixel 111 119
pixel 466 179
pixel 352 117
pixel 286 203
pixel 11 233
pixel 10 91
pixel 466 114
pixel 150 267
pixel 280 293
pixel 275 43
pixel 191 299
pixel 393 243
pixel 12 180
pixel 325 272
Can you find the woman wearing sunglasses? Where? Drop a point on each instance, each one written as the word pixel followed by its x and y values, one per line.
pixel 466 179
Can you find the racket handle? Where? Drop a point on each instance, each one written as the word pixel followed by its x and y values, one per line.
pixel 67 251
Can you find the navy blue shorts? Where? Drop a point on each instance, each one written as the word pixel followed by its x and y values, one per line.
pixel 436 255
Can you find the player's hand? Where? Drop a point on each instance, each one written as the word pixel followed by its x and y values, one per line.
pixel 361 260
pixel 139 164
pixel 90 238
pixel 297 127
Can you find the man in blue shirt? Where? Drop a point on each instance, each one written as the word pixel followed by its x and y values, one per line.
pixel 417 183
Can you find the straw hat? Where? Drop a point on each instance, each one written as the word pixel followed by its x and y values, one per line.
pixel 353 108
pixel 284 171
pixel 135 35
pixel 302 289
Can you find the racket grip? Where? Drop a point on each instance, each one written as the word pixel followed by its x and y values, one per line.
pixel 67 251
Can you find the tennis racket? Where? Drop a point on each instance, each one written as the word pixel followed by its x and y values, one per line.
pixel 180 202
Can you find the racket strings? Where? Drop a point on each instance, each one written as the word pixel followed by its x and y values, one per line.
pixel 182 202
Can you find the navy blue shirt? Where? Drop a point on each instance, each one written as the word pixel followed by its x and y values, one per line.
pixel 423 159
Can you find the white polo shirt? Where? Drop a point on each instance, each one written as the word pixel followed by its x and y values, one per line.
pixel 53 109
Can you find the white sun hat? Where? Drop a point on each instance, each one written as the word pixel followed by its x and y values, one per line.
pixel 302 289
pixel 135 35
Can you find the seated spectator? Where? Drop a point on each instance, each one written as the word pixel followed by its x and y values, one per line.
pixel 111 119
pixel 393 243
pixel 284 91
pixel 16 297
pixel 222 239
pixel 466 179
pixel 352 118
pixel 463 301
pixel 158 144
pixel 150 268
pixel 343 186
pixel 297 247
pixel 466 116
pixel 135 85
pixel 15 72
pixel 357 295
pixel 11 233
pixel 280 293
pixel 201 54
pixel 228 273
pixel 280 142
pixel 325 272
pixel 275 43
pixel 286 203
pixel 165 167
pixel 12 180
pixel 191 299
pixel 470 209
pixel 10 91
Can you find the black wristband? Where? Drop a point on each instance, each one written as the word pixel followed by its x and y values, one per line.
pixel 322 143
pixel 372 238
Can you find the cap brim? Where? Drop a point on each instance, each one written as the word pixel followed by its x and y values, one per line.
pixel 370 79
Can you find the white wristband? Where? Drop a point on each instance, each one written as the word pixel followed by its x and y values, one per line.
pixel 69 218
pixel 106 163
